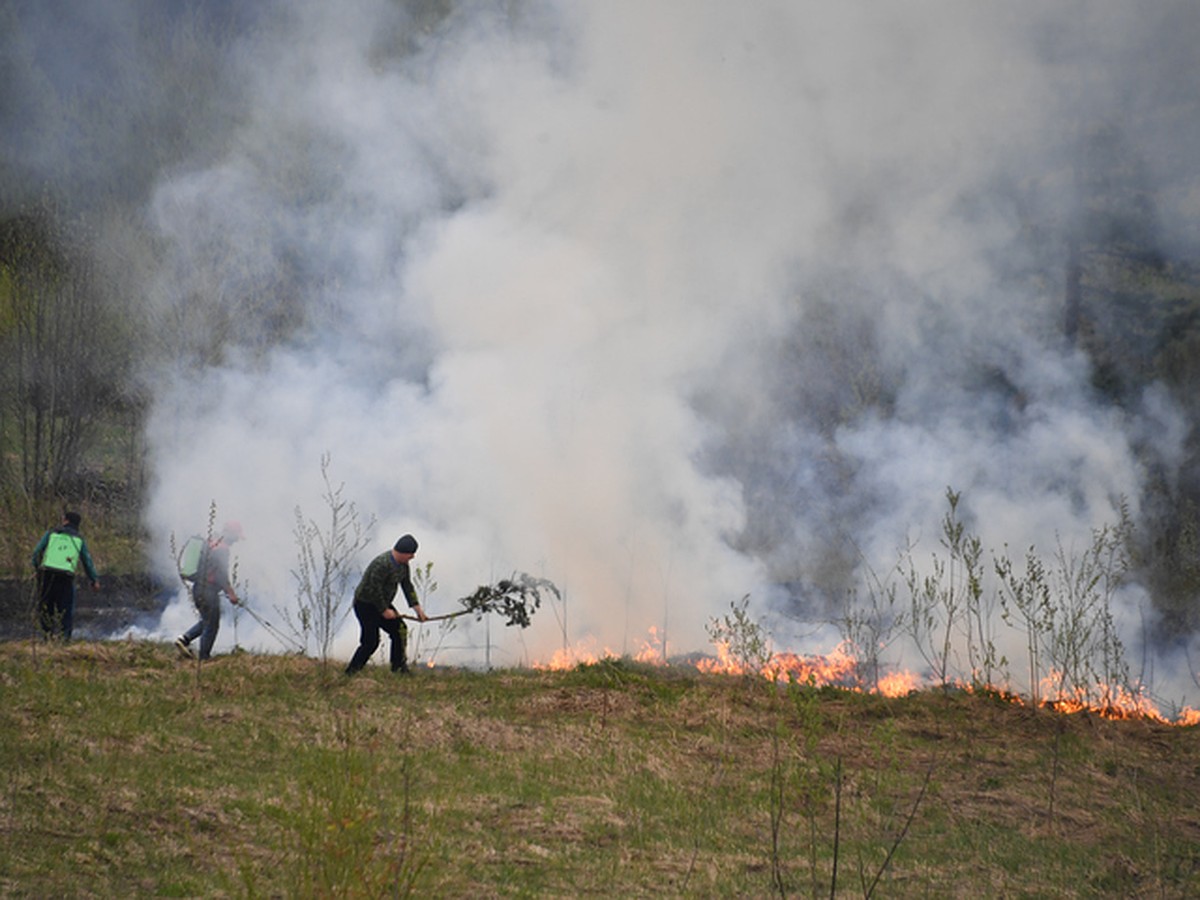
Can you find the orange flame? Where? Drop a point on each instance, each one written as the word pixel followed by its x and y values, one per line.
pixel 652 652
pixel 840 668
pixel 1188 716
pixel 1108 701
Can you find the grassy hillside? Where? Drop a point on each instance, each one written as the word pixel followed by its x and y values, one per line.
pixel 131 773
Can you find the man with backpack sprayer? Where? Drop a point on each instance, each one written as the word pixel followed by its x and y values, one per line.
pixel 56 558
pixel 206 566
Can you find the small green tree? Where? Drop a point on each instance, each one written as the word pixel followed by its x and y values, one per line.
pixel 745 640
pixel 871 622
pixel 1085 649
pixel 426 585
pixel 1066 611
pixel 947 603
pixel 324 559
pixel 1026 603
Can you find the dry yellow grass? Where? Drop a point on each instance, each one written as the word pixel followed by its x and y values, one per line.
pixel 131 773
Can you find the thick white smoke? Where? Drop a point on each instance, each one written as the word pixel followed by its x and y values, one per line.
pixel 566 277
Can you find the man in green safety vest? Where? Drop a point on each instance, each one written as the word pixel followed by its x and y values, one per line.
pixel 57 557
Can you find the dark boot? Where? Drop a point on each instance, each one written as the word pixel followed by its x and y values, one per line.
pixel 400 658
pixel 399 649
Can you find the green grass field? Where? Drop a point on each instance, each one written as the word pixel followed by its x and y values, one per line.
pixel 129 772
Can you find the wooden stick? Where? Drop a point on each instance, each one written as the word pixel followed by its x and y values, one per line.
pixel 461 612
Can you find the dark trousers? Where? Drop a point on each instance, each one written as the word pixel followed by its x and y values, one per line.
pixel 56 603
pixel 371 621
pixel 208 603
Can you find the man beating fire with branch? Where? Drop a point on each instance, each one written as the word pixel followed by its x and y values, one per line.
pixel 373 605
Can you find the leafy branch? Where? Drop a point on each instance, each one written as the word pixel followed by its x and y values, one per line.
pixel 515 598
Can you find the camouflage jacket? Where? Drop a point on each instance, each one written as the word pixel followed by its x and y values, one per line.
pixel 379 582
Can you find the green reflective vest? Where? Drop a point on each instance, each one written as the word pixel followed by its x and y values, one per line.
pixel 62 552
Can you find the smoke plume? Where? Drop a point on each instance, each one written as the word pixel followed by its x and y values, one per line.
pixel 669 303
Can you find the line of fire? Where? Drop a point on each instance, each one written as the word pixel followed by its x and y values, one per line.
pixel 842 669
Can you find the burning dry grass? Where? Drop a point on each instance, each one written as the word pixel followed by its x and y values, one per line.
pixel 132 773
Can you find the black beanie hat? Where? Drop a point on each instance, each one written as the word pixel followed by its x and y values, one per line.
pixel 406 544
